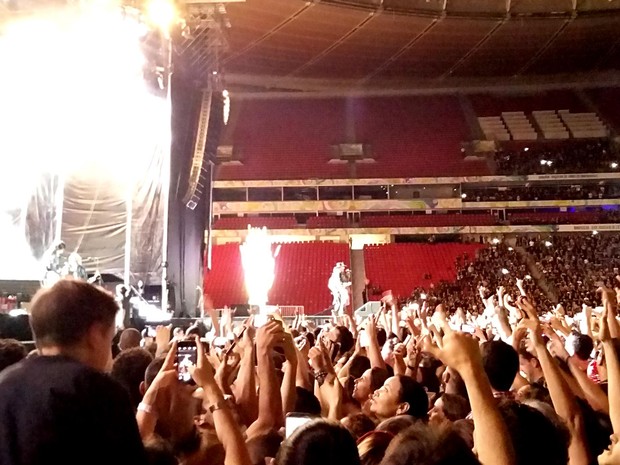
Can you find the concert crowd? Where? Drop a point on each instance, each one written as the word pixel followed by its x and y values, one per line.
pixel 587 156
pixel 516 362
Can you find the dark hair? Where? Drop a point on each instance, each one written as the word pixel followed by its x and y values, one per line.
pixel 63 314
pixel 306 402
pixel 381 336
pixel 425 445
pixel 414 394
pixel 319 442
pixel 536 439
pixel 372 446
pixel 358 424
pixel 377 378
pixel 583 346
pixel 11 352
pixel 501 364
pixel 263 446
pixel 159 452
pixel 359 365
pixel 129 369
pixel 396 424
pixel 345 339
pixel 152 370
pixel 455 407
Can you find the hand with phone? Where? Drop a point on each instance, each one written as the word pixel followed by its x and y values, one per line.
pixel 186 359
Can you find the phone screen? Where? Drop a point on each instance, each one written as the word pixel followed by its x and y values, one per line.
pixel 187 356
pixel 364 339
pixel 294 421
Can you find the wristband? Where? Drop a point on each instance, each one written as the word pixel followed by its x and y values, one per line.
pixel 219 405
pixel 142 407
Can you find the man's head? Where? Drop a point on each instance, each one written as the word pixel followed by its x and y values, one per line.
pixel 400 395
pixel 129 369
pixel 582 345
pixel 368 383
pixel 529 366
pixel 11 352
pixel 76 319
pixel 501 364
pixel 130 339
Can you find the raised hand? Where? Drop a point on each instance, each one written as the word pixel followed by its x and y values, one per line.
pixel 527 307
pixel 203 373
pixel 269 335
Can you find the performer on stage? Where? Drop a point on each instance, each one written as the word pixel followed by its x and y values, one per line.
pixel 55 264
pixel 75 268
pixel 338 284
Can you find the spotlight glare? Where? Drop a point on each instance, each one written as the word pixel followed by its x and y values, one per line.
pixel 161 14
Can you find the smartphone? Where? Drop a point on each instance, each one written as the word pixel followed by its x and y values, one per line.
pixel 150 331
pixel 468 329
pixel 294 421
pixel 364 339
pixel 186 357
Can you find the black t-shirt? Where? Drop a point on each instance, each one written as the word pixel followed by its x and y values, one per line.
pixel 54 410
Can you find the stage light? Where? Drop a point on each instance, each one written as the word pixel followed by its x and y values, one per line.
pixel 161 14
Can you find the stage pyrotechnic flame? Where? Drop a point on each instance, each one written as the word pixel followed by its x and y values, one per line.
pixel 259 263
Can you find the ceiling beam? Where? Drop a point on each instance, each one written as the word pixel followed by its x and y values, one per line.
pixel 545 46
pixel 473 50
pixel 401 51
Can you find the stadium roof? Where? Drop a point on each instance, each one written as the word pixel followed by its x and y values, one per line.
pixel 312 45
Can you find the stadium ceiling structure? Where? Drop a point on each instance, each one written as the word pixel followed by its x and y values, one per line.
pixel 295 45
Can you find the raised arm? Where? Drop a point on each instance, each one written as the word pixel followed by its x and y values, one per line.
pixel 613 374
pixel 269 399
pixel 245 385
pixel 287 389
pixel 374 351
pixel 236 452
pixel 491 439
pixel 563 399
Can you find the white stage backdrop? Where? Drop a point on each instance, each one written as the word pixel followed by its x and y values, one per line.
pixel 82 144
